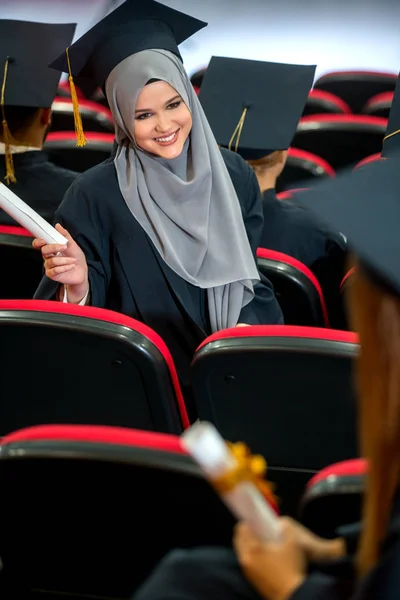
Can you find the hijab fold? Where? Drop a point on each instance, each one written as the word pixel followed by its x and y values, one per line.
pixel 188 205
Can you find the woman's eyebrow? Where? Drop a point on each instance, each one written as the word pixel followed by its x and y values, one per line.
pixel 139 110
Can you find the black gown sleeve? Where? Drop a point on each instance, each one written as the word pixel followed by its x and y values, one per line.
pixel 80 216
pixel 264 308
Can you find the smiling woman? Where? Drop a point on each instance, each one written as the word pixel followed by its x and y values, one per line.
pixel 163 128
pixel 165 231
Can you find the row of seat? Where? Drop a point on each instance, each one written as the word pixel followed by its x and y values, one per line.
pixel 287 391
pixel 297 289
pixel 91 510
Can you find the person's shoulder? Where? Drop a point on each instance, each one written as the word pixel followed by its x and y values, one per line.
pixel 61 172
pixel 234 162
pixel 94 180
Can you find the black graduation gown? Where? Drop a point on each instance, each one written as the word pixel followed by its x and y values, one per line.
pixel 127 273
pixel 293 230
pixel 40 183
pixel 206 573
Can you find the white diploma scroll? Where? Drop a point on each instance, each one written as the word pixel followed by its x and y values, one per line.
pixel 28 218
pixel 245 501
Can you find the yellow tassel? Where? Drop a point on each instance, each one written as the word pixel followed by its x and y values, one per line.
pixel 7 139
pixel 80 136
pixel 10 173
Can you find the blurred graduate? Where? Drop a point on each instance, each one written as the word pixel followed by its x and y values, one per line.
pixel 28 88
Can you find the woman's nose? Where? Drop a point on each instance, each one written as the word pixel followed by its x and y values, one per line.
pixel 163 123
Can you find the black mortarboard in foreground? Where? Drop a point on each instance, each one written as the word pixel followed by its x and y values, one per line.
pixel 274 95
pixel 364 205
pixel 391 141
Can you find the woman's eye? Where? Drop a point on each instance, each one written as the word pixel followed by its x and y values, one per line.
pixel 174 105
pixel 143 116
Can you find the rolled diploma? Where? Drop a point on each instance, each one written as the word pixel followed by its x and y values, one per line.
pixel 28 218
pixel 245 501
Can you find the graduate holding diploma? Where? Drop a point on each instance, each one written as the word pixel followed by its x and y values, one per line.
pixel 166 230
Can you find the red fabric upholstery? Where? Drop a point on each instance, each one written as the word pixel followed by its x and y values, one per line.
pixel 332 98
pixel 85 104
pixel 383 98
pixel 91 136
pixel 368 159
pixel 309 156
pixel 320 333
pixel 110 316
pixel 14 230
pixel 359 119
pixel 345 468
pixel 357 74
pixel 287 194
pixel 285 258
pixel 97 434
pixel 349 274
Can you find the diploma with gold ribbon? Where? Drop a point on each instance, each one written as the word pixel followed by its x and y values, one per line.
pixel 237 476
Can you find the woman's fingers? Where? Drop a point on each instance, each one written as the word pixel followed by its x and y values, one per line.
pixel 59 261
pixel 50 250
pixel 57 271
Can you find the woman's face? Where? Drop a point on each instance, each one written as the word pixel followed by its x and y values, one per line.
pixel 162 120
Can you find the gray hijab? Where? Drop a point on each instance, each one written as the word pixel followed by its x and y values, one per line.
pixel 187 206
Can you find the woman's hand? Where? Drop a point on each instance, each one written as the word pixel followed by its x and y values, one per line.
pixel 274 569
pixel 65 265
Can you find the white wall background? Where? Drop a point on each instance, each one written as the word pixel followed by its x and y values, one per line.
pixel 334 34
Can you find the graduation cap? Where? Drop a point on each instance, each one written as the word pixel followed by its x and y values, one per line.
pixel 253 107
pixel 391 141
pixel 25 78
pixel 364 205
pixel 134 26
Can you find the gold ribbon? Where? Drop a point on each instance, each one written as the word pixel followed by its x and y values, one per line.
pixel 7 138
pixel 250 468
pixel 80 136
pixel 238 131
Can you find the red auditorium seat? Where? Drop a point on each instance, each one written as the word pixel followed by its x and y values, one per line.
pixel 319 102
pixel 368 159
pixel 346 278
pixel 298 291
pixel 62 150
pixel 63 363
pixel 73 495
pixel 21 265
pixel 333 497
pixel 95 117
pixel 286 391
pixel 355 87
pixel 342 140
pixel 301 167
pixel 379 105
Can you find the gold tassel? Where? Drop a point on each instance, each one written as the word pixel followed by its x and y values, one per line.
pixel 7 139
pixel 80 136
pixel 238 131
pixel 390 135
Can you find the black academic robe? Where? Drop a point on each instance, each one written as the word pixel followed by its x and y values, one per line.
pixel 294 231
pixel 128 275
pixel 40 183
pixel 206 573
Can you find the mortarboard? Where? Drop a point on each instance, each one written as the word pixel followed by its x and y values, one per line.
pixel 253 107
pixel 391 141
pixel 26 80
pixel 134 26
pixel 364 205
pixel 29 47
